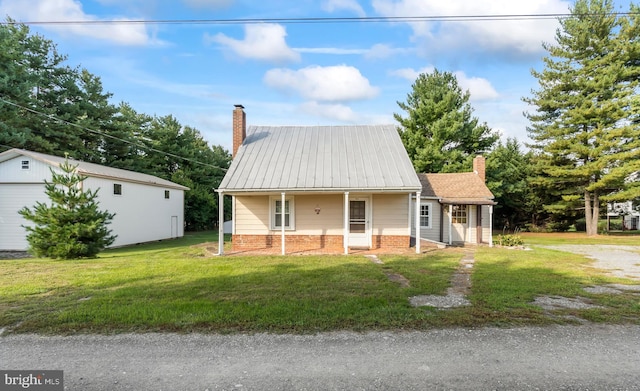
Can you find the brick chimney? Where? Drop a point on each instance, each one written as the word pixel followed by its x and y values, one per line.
pixel 239 128
pixel 479 167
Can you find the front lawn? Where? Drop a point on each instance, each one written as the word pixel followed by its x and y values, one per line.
pixel 179 286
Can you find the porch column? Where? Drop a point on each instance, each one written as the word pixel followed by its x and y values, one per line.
pixel 282 224
pixel 346 222
pixel 490 225
pixel 220 222
pixel 418 231
pixel 450 224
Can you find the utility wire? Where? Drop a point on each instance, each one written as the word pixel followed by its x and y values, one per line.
pixel 310 20
pixel 142 146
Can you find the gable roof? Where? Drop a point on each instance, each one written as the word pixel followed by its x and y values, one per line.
pixel 321 158
pixel 456 188
pixel 93 170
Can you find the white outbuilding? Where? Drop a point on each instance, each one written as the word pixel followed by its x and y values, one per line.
pixel 147 208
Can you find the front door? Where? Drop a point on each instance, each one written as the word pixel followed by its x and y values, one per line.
pixel 459 223
pixel 359 233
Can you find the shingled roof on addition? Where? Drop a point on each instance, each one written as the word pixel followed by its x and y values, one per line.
pixel 321 158
pixel 465 188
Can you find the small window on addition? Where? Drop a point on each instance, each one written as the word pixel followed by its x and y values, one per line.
pixel 25 164
pixel 166 194
pixel 117 189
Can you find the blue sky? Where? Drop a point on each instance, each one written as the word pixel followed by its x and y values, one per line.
pixel 299 73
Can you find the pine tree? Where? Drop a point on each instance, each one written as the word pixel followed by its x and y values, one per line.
pixel 439 133
pixel 72 226
pixel 586 128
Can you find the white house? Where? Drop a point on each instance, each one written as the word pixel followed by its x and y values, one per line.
pixel 147 208
pixel 630 215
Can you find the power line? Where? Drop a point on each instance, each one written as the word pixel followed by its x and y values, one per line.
pixel 311 20
pixel 142 146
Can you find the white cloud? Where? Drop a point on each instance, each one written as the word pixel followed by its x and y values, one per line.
pixel 265 42
pixel 381 51
pixel 515 37
pixel 349 5
pixel 338 112
pixel 479 88
pixel 337 51
pixel 71 10
pixel 327 84
pixel 410 73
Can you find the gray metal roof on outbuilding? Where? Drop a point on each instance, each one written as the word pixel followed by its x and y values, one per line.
pixel 321 158
pixel 94 170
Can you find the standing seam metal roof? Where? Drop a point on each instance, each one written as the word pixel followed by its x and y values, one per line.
pixel 321 158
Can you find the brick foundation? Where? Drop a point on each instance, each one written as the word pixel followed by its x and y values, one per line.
pixel 299 243
pixel 388 241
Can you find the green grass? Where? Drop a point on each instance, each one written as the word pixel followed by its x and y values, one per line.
pixel 618 238
pixel 178 286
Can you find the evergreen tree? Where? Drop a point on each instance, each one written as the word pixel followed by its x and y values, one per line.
pixel 72 226
pixel 585 129
pixel 440 133
pixel 507 172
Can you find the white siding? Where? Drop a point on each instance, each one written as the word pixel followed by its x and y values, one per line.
pixel 14 197
pixel 486 230
pixel 11 171
pixel 142 212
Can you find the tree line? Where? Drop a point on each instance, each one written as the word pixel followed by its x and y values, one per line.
pixel 50 107
pixel 585 129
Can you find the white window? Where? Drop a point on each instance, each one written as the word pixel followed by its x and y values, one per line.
pixel 167 194
pixel 425 215
pixel 117 189
pixel 25 164
pixel 278 213
pixel 459 214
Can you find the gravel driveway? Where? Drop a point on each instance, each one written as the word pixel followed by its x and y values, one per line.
pixel 620 261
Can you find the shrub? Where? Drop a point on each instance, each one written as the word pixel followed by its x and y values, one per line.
pixel 510 240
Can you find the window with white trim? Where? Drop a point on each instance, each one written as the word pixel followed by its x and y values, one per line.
pixel 425 215
pixel 459 214
pixel 277 213
pixel 117 189
pixel 167 194
pixel 25 164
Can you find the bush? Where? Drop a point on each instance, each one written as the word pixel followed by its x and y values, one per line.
pixel 510 240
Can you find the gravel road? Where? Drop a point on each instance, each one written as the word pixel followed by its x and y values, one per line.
pixel 592 357
pixel 620 261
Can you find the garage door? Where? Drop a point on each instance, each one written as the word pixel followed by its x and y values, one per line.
pixel 12 198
